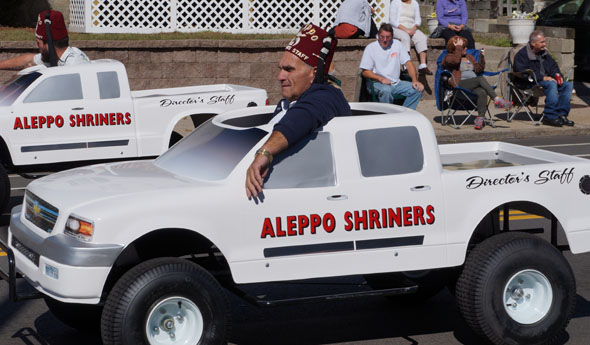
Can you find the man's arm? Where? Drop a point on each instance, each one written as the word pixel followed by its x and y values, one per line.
pixel 18 62
pixel 375 77
pixel 259 168
pixel 412 72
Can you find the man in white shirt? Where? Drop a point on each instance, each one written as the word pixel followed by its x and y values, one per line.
pixel 382 62
pixel 66 55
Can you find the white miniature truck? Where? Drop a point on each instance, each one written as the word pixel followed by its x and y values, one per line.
pixel 146 246
pixel 51 117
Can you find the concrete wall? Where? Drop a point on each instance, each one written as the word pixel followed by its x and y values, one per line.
pixel 161 64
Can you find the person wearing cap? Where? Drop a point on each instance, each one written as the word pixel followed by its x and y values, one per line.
pixel 308 101
pixel 381 63
pixel 66 55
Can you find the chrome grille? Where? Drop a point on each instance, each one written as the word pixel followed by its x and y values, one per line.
pixel 40 212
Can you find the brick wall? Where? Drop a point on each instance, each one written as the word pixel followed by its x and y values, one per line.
pixel 162 64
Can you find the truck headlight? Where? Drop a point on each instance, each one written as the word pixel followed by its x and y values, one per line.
pixel 79 228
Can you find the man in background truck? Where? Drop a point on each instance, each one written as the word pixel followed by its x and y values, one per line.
pixel 66 55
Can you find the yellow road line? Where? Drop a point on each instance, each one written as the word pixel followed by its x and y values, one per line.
pixel 519 215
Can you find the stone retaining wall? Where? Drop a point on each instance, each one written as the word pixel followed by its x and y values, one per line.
pixel 162 64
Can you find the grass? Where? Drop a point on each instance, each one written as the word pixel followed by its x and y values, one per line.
pixel 27 34
pixel 497 40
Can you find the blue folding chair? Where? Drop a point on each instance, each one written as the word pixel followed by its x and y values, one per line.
pixel 450 100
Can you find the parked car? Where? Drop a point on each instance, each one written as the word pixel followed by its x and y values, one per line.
pixel 572 14
pixel 144 247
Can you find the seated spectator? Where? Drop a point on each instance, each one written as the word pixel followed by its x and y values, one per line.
pixel 404 16
pixel 353 20
pixel 466 72
pixel 381 63
pixel 558 92
pixel 66 55
pixel 452 16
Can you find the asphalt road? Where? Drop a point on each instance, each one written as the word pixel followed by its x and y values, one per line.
pixel 367 321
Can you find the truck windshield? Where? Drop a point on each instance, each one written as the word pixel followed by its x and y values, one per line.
pixel 210 152
pixel 11 90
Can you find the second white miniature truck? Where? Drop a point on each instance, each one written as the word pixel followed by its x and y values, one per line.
pixel 86 112
pixel 147 246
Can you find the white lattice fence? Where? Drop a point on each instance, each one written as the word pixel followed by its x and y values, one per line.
pixel 237 16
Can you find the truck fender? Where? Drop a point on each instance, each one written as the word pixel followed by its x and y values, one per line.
pixel 165 243
pixel 494 222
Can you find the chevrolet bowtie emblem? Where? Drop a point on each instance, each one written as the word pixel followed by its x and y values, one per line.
pixel 36 208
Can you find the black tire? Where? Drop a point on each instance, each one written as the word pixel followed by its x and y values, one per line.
pixel 83 317
pixel 133 301
pixel 174 138
pixel 483 290
pixel 430 283
pixel 4 189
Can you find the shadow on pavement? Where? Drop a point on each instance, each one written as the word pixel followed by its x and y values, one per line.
pixel 351 321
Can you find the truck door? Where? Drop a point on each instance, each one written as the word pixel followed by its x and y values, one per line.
pixel 63 119
pixel 395 216
pixel 356 202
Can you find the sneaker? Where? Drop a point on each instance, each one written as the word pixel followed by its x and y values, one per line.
pixel 479 122
pixel 502 103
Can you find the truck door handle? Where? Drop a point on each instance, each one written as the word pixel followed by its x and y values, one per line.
pixel 420 188
pixel 337 197
pixel 78 108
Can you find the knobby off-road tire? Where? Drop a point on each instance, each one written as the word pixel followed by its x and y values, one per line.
pixel 4 189
pixel 516 289
pixel 83 317
pixel 165 301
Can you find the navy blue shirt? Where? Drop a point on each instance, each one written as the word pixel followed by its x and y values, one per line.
pixel 314 108
pixel 542 65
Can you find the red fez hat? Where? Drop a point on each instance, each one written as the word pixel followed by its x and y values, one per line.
pixel 58 26
pixel 307 46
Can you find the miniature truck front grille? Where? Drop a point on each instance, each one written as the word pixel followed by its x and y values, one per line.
pixel 40 212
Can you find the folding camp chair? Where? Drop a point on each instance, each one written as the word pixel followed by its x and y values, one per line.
pixel 525 98
pixel 450 100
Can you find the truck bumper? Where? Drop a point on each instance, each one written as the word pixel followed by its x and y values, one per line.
pixel 61 267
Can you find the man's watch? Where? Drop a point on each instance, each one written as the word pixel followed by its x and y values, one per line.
pixel 264 152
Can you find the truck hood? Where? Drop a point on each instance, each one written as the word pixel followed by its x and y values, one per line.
pixel 95 183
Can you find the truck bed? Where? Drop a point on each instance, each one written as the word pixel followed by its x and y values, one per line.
pixel 485 155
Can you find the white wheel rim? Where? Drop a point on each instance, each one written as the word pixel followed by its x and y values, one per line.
pixel 528 296
pixel 174 320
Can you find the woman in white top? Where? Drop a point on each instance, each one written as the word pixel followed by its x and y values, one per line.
pixel 404 16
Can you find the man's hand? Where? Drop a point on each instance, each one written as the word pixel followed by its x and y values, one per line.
pixel 549 78
pixel 418 86
pixel 255 175
pixel 259 168
pixel 385 81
